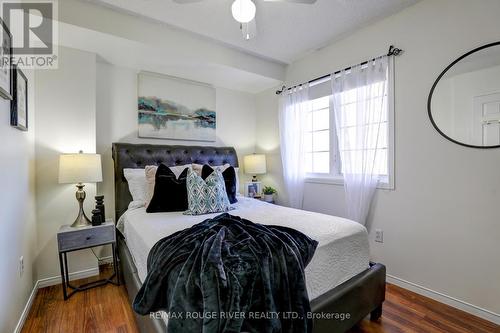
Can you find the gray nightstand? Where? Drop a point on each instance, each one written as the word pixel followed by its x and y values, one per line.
pixel 73 239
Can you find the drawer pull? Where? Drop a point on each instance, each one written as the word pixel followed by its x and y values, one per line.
pixel 88 237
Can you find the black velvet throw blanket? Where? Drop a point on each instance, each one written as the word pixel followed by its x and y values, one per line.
pixel 229 275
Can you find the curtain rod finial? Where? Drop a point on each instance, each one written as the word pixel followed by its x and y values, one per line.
pixel 278 92
pixel 394 51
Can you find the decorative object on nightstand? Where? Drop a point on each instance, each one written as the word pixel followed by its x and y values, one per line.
pixel 253 189
pixel 71 239
pixel 255 164
pixel 80 168
pixel 269 193
pixel 97 217
pixel 99 204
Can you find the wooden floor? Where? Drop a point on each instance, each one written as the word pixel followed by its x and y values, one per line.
pixel 405 311
pixel 106 309
pixel 101 310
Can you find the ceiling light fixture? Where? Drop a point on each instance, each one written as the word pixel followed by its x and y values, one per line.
pixel 243 10
pixel 244 13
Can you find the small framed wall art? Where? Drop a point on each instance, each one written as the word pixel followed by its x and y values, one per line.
pixel 19 103
pixel 5 62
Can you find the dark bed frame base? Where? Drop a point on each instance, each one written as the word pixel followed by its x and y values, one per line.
pixel 359 296
pixel 353 300
pixel 356 298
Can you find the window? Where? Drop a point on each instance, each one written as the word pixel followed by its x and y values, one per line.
pixel 378 116
pixel 317 137
pixel 322 148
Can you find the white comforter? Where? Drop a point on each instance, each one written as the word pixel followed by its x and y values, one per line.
pixel 342 252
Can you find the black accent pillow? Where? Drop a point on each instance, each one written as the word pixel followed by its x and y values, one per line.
pixel 170 194
pixel 229 179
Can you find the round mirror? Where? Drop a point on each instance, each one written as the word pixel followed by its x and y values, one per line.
pixel 464 102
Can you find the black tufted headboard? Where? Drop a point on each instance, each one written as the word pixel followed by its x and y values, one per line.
pixel 137 156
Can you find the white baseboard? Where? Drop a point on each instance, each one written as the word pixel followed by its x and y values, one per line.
pixel 51 281
pixel 440 297
pixel 26 309
pixel 106 260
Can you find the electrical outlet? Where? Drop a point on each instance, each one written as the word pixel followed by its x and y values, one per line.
pixel 21 266
pixel 379 235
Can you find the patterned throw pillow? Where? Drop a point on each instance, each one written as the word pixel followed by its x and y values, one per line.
pixel 229 175
pixel 206 196
pixel 199 167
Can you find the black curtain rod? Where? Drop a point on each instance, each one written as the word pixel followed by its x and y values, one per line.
pixel 393 51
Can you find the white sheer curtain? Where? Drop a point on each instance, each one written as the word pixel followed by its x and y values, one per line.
pixel 294 106
pixel 359 98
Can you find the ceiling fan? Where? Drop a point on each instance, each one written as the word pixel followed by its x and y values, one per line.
pixel 244 13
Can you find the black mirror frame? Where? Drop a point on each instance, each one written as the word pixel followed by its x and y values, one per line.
pixel 429 111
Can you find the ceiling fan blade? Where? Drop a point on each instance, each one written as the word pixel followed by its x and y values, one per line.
pixel 186 1
pixel 310 2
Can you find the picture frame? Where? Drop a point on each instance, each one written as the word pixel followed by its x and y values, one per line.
pixel 253 189
pixel 175 109
pixel 5 62
pixel 19 103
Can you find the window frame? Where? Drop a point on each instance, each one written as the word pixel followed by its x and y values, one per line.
pixel 335 177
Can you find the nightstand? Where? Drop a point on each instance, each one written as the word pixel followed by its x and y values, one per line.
pixel 73 239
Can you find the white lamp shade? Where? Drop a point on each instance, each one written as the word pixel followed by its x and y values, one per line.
pixel 255 164
pixel 243 10
pixel 80 168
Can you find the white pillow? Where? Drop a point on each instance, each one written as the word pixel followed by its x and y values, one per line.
pixel 150 175
pixel 136 179
pixel 135 204
pixel 199 167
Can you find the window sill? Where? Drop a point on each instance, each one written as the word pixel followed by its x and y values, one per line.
pixel 339 181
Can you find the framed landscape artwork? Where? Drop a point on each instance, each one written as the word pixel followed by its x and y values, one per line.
pixel 173 108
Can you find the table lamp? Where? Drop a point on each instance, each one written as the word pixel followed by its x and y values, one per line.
pixel 78 169
pixel 255 164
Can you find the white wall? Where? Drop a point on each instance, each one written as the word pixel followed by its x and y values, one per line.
pixel 17 212
pixel 268 142
pixel 117 121
pixel 66 123
pixel 441 223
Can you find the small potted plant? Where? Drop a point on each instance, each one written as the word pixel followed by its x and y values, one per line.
pixel 269 193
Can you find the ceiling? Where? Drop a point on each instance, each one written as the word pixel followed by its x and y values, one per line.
pixel 285 31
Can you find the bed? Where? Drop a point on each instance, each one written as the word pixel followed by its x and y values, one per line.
pixel 340 279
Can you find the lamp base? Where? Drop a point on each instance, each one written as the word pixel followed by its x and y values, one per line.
pixel 254 179
pixel 82 220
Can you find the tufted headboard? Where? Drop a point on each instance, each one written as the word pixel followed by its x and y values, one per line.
pixel 137 156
